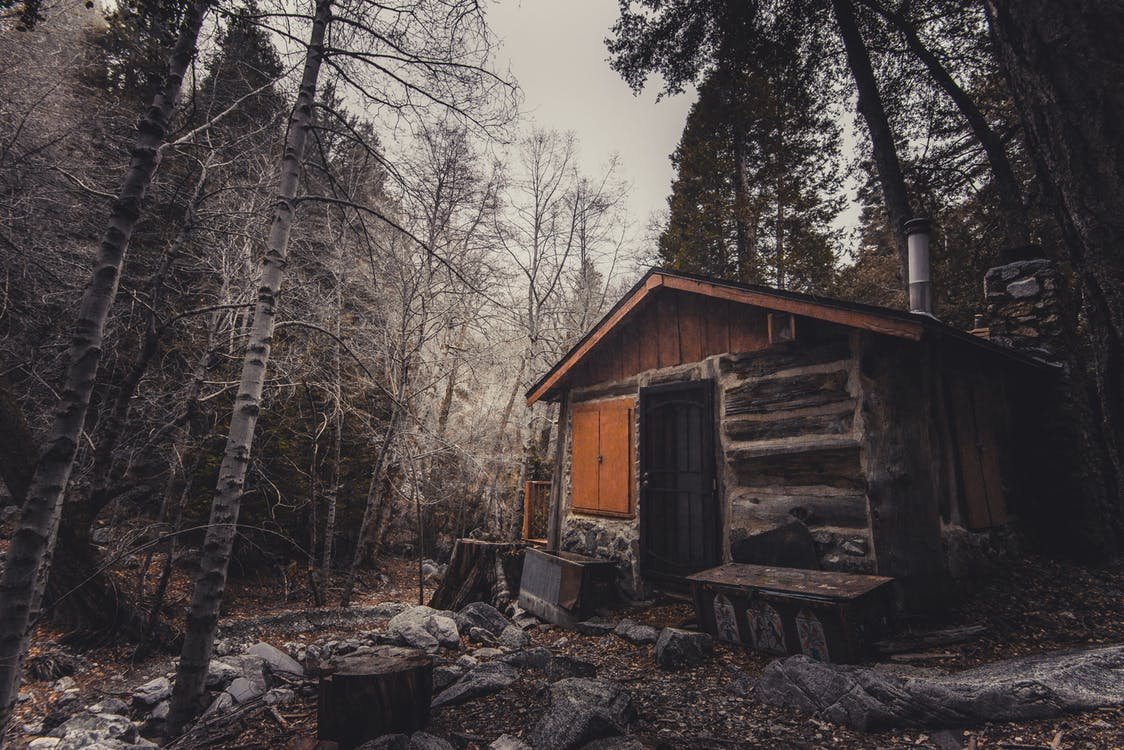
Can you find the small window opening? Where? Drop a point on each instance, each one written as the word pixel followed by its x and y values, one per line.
pixel 782 327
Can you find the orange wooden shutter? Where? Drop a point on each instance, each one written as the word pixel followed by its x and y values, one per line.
pixel 615 476
pixel 583 460
pixel 601 463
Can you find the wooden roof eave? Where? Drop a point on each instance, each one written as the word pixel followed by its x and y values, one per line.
pixel 551 382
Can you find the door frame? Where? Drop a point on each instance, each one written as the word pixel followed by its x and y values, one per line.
pixel 706 389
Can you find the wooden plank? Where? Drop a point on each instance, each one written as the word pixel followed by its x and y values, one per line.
pixel 869 321
pixel 749 328
pixel 776 505
pixel 781 424
pixel 691 327
pixel 667 330
pixel 830 467
pixel 629 345
pixel 615 481
pixel 820 583
pixel 985 399
pixel 716 324
pixel 797 391
pixel 786 357
pixel 583 456
pixel 649 339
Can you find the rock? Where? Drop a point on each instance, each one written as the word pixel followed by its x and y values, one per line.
pixel 857 547
pixel 222 703
pixel 220 674
pixel 595 627
pixel 1025 288
pixel 787 545
pixel 63 684
pixel 483 680
pixel 410 630
pixel 243 689
pixel 582 710
pixel 508 742
pixel 250 666
pixel 86 729
pixel 425 628
pixel 1029 687
pixel 160 712
pixel 443 677
pixel 513 637
pixel 487 653
pixel 277 661
pixel 152 692
pixel 677 648
pixel 481 615
pixel 110 706
pixel 562 666
pixel 43 743
pixel 467 661
pixel 480 635
pixel 444 629
pixel 426 741
pixel 279 697
pixel 634 632
pixel 533 658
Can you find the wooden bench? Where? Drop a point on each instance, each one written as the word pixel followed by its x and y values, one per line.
pixel 826 615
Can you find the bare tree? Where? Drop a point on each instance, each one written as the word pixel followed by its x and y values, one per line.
pixel 28 560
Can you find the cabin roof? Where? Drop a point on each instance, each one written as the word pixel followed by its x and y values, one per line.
pixel 882 320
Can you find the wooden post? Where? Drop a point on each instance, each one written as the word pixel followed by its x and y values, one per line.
pixel 554 524
pixel 367 696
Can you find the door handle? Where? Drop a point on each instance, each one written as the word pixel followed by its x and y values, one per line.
pixel 644 479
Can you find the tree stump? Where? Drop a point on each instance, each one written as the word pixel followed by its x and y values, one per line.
pixel 481 571
pixel 367 696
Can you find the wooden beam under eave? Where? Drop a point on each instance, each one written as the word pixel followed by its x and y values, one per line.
pixel 904 329
pixel 654 281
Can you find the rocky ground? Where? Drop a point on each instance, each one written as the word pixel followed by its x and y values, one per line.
pixel 547 686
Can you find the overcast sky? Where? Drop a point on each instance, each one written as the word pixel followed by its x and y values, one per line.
pixel 556 49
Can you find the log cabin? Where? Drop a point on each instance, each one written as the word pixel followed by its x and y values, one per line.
pixel 703 422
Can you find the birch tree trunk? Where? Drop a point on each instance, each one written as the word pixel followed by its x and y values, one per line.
pixel 210 585
pixel 890 176
pixel 29 556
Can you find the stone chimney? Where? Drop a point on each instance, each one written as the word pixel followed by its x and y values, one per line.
pixel 1024 308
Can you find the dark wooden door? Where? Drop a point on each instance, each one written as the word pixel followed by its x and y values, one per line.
pixel 679 517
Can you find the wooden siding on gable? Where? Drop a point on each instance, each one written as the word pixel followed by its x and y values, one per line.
pixel 673 328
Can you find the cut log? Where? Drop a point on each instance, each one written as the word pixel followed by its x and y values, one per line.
pixel 481 571
pixel 367 696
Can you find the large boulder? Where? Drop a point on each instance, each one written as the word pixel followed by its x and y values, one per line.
pixel 87 729
pixel 786 545
pixel 152 692
pixel 481 615
pixel 582 710
pixel 425 628
pixel 276 661
pixel 480 681
pixel 676 649
pixel 634 632
pixel 1029 687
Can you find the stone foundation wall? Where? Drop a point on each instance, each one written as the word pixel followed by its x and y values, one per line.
pixel 611 539
pixel 1024 308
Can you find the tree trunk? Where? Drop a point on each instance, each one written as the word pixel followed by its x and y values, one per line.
pixel 1013 219
pixel 890 176
pixel 210 585
pixel 1064 63
pixel 374 497
pixel 480 571
pixel 29 556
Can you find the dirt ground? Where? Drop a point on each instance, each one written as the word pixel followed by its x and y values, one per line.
pixel 1029 606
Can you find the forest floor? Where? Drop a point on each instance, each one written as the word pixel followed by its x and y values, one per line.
pixel 1028 606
